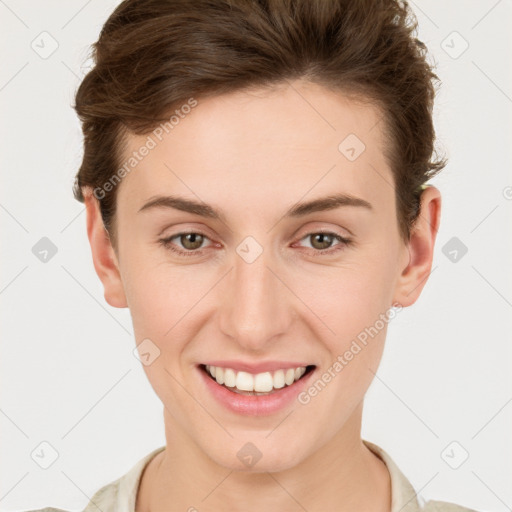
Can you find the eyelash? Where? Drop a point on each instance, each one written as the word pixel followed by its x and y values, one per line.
pixel 345 242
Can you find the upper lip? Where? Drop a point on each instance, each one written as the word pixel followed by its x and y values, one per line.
pixel 265 366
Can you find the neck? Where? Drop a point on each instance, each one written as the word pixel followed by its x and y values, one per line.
pixel 343 475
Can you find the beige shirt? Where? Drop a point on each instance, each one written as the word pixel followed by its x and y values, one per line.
pixel 120 495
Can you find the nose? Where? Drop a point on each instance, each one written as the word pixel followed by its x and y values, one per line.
pixel 256 307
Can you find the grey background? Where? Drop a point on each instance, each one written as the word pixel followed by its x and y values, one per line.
pixel 68 374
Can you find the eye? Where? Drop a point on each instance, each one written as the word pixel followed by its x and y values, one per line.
pixel 191 241
pixel 321 242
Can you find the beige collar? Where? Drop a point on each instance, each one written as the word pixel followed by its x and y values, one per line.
pixel 120 495
pixel 403 496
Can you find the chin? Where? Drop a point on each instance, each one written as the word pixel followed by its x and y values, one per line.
pixel 255 457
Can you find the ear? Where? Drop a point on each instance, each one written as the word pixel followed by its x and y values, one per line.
pixel 103 254
pixel 421 249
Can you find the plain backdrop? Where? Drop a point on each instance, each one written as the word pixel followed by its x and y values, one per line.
pixel 442 396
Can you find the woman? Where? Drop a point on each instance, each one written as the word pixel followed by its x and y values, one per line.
pixel 255 175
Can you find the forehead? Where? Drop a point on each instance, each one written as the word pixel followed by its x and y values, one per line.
pixel 263 147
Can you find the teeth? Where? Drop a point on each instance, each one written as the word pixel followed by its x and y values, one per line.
pixel 259 383
pixel 219 375
pixel 229 378
pixel 289 377
pixel 263 382
pixel 279 379
pixel 244 382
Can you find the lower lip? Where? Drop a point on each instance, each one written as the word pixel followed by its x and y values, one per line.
pixel 255 405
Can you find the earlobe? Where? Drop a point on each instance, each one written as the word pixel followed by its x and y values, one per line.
pixel 421 249
pixel 103 255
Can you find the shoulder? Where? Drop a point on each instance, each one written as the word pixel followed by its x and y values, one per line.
pixel 104 500
pixel 445 506
pixel 107 498
pixel 118 495
pixel 47 509
pixel 405 497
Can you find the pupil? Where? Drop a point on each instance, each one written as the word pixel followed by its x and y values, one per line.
pixel 193 241
pixel 325 243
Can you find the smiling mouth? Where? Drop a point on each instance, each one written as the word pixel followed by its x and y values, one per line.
pixel 265 383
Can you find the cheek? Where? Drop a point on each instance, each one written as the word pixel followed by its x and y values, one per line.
pixel 347 299
pixel 158 293
pixel 351 304
pixel 166 307
pixel 161 300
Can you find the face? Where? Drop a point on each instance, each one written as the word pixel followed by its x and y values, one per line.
pixel 255 282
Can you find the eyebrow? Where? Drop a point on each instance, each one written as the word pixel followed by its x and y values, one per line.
pixel 298 210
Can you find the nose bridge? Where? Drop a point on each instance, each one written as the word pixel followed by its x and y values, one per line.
pixel 254 309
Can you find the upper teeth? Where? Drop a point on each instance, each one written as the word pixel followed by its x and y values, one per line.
pixel 261 382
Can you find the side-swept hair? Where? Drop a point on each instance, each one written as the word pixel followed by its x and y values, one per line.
pixel 153 55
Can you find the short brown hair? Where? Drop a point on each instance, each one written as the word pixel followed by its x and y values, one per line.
pixel 154 55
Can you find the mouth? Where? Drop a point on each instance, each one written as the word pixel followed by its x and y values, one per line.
pixel 260 384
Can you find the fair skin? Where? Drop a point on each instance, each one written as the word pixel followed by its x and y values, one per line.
pixel 253 156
